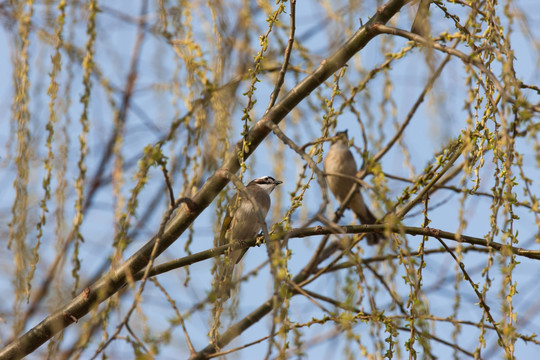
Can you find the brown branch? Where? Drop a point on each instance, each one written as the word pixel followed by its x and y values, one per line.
pixel 483 303
pixel 415 107
pixel 467 59
pixel 351 229
pixel 286 57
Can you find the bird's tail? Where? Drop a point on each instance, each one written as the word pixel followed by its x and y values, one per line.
pixel 366 217
pixel 225 273
pixel 224 280
pixel 420 24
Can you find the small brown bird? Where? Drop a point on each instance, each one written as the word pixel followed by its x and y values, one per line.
pixel 340 160
pixel 242 224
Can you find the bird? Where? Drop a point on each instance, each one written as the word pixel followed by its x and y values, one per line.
pixel 420 24
pixel 242 224
pixel 340 160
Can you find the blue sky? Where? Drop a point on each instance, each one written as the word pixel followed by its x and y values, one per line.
pixel 441 117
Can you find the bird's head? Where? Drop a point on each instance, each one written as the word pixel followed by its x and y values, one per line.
pixel 266 183
pixel 341 137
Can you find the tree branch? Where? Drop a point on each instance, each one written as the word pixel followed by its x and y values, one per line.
pixel 117 278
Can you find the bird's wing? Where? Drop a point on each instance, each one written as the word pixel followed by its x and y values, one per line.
pixel 225 268
pixel 225 226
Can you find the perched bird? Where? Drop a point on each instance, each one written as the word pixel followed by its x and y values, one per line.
pixel 340 160
pixel 242 224
pixel 420 24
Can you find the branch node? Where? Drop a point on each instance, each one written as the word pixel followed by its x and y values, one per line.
pixel 70 317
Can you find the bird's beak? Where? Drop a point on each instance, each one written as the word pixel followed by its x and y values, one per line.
pixel 279 182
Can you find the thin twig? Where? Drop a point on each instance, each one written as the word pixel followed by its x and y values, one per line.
pixel 467 59
pixel 415 107
pixel 286 57
pixel 478 294
pixel 145 277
